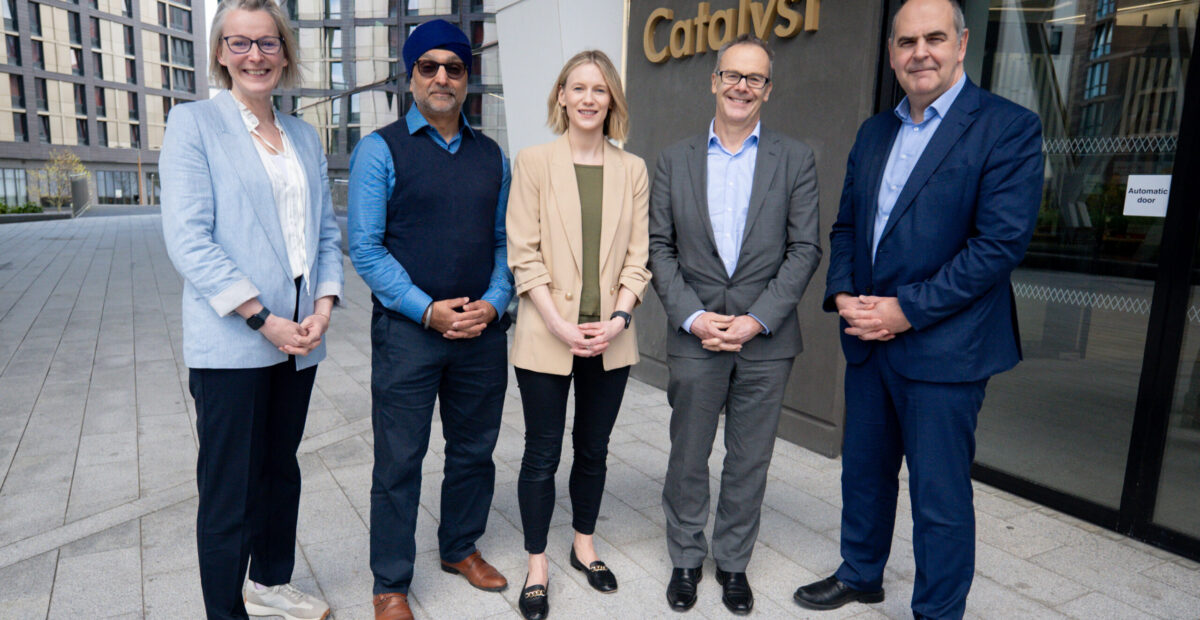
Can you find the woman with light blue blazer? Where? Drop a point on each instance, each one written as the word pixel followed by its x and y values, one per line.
pixel 249 224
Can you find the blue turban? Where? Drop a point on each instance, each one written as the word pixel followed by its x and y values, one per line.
pixel 436 34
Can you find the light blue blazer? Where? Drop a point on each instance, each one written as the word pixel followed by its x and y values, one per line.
pixel 223 234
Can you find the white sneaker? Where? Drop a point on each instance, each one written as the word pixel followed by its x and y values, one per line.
pixel 285 601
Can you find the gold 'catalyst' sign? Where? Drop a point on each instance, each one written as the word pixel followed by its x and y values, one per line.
pixel 709 31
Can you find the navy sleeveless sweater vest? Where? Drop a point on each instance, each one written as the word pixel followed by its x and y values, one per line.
pixel 441 217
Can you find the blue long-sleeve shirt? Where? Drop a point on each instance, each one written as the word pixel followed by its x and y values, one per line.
pixel 372 181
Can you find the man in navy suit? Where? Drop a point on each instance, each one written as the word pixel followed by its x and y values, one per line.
pixel 940 200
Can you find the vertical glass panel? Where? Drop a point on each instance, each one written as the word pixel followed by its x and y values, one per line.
pixel 1106 78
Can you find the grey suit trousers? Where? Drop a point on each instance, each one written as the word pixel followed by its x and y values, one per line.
pixel 751 394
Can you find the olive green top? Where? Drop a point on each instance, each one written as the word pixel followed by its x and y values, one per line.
pixel 591 200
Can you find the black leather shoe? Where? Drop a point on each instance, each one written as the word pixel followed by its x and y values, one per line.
pixel 735 592
pixel 681 590
pixel 599 577
pixel 831 593
pixel 535 602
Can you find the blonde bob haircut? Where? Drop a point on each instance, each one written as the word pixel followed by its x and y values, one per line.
pixel 219 74
pixel 616 123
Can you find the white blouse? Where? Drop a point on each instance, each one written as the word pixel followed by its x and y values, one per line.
pixel 289 185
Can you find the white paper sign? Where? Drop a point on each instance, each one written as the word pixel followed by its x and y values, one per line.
pixel 1147 195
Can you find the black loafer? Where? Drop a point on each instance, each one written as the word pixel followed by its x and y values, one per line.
pixel 535 602
pixel 831 593
pixel 598 576
pixel 681 590
pixel 735 592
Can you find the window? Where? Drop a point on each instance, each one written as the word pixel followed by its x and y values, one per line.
pixel 98 65
pixel 333 43
pixel 39 60
pixel 182 52
pixel 95 32
pixel 166 103
pixel 81 131
pixel 333 8
pixel 44 129
pixel 35 19
pixel 116 187
pixel 162 13
pixel 184 79
pixel 1102 43
pixel 181 19
pixel 76 61
pixel 354 116
pixel 336 79
pixel 166 78
pixel 1097 81
pixel 102 133
pixel 135 136
pixel 20 128
pixel 81 99
pixel 13 43
pixel 13 186
pixel 74 28
pixel 131 70
pixel 133 106
pixel 292 12
pixel 127 10
pixel 129 49
pixel 16 86
pixel 10 15
pixel 40 93
pixel 164 48
pixel 1105 8
pixel 101 109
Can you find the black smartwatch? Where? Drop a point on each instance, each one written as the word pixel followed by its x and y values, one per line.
pixel 624 315
pixel 256 321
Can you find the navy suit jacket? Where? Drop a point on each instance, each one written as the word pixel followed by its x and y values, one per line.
pixel 960 226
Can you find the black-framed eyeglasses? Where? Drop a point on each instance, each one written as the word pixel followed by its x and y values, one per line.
pixel 429 68
pixel 241 45
pixel 754 80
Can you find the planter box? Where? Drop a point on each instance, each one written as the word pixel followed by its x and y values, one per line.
pixel 14 218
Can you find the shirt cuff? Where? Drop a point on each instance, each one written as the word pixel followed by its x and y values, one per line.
pixel 413 304
pixel 687 324
pixel 329 289
pixel 498 300
pixel 766 330
pixel 233 296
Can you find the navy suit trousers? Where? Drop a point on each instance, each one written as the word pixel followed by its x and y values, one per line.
pixel 932 427
pixel 410 368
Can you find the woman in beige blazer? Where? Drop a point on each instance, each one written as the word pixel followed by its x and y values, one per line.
pixel 577 245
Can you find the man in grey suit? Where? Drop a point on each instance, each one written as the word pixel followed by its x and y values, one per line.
pixel 733 244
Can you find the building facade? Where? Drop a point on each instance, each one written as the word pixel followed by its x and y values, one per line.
pixel 96 78
pixel 354 78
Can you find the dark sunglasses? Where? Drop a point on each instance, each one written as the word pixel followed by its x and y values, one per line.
pixel 429 68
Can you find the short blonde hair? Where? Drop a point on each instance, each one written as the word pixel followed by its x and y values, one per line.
pixel 616 123
pixel 219 74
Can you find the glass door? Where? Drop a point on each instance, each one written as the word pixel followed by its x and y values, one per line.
pixel 1107 79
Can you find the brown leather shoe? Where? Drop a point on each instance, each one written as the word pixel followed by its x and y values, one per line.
pixel 478 572
pixel 392 606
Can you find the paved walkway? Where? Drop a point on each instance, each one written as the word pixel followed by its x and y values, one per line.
pixel 97 503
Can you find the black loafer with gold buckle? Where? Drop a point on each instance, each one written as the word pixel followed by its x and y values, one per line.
pixel 534 603
pixel 598 576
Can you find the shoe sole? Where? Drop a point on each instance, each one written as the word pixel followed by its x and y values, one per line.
pixel 259 610
pixel 867 598
pixel 455 571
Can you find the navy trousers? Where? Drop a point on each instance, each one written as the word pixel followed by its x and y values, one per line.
pixel 410 368
pixel 932 427
pixel 250 422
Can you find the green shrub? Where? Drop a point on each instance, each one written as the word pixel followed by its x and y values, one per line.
pixel 29 207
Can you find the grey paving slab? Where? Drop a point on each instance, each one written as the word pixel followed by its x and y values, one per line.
pixel 97 480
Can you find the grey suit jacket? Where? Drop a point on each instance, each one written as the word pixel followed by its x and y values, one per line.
pixel 780 249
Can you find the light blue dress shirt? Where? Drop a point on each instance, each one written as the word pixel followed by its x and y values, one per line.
pixel 372 181
pixel 730 180
pixel 910 143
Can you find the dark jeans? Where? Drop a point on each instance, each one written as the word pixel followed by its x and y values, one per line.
pixel 410 368
pixel 250 422
pixel 598 396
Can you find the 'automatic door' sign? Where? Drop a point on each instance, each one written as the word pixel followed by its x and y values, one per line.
pixel 709 30
pixel 1147 195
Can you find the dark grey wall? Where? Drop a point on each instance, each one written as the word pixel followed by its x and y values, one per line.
pixel 824 87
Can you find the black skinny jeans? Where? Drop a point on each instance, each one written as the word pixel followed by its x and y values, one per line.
pixel 598 395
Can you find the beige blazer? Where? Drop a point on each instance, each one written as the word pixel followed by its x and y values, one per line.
pixel 545 238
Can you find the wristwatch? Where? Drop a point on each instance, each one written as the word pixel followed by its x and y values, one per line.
pixel 624 315
pixel 256 321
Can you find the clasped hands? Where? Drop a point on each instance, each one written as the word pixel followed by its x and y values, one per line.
pixel 295 338
pixel 872 318
pixel 460 318
pixel 587 339
pixel 725 333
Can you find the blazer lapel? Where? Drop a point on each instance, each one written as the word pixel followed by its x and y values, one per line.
pixel 765 163
pixel 697 165
pixel 565 189
pixel 958 119
pixel 613 202
pixel 240 149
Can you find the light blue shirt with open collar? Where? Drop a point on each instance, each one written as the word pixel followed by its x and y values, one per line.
pixel 372 181
pixel 910 143
pixel 730 180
